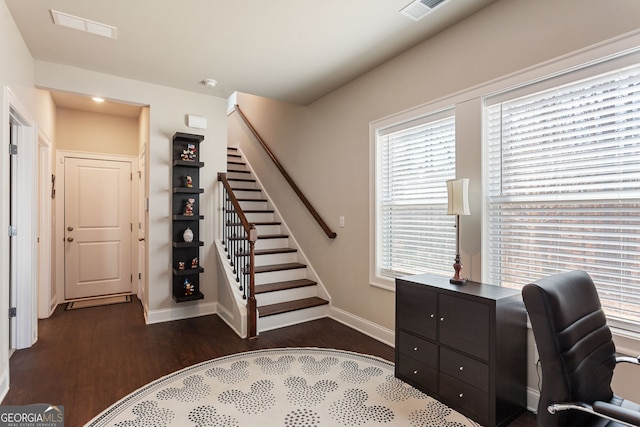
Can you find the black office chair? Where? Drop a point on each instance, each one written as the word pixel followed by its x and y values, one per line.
pixel 577 355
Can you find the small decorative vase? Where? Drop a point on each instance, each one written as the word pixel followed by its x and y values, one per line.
pixel 188 235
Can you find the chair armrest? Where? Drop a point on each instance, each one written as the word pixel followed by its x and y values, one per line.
pixel 632 360
pixel 601 409
pixel 615 412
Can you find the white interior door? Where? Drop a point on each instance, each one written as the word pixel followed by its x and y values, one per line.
pixel 97 227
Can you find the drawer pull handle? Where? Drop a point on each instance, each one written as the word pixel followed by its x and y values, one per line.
pixel 460 395
pixel 442 319
pixel 462 368
pixel 415 348
pixel 432 316
pixel 415 372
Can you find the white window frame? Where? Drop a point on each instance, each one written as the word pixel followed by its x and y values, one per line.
pixel 587 71
pixel 406 120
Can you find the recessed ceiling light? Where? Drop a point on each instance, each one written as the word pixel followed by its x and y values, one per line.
pixel 81 24
pixel 210 83
pixel 98 99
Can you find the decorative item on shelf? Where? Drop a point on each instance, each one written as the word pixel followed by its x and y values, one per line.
pixel 188 287
pixel 189 154
pixel 188 235
pixel 188 182
pixel 458 204
pixel 180 265
pixel 194 263
pixel 188 209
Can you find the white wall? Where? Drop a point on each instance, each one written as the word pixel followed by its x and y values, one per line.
pixel 325 145
pixel 19 78
pixel 167 111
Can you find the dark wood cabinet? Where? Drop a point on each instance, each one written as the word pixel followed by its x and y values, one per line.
pixel 464 345
pixel 185 215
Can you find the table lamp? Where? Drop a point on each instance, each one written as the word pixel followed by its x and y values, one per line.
pixel 458 204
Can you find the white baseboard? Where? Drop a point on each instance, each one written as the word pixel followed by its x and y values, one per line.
pixel 384 335
pixel 181 312
pixel 533 396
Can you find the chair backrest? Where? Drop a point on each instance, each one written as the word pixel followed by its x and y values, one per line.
pixel 576 349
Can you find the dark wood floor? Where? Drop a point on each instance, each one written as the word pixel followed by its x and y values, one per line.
pixel 88 359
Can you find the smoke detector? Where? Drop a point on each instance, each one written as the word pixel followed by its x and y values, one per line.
pixel 418 9
pixel 210 83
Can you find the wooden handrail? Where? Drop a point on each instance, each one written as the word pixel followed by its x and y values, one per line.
pixel 303 199
pixel 252 237
pixel 222 177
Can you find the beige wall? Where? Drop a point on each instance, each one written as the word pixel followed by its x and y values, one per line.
pixel 96 133
pixel 325 146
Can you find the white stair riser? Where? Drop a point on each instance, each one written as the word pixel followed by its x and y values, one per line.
pixel 232 163
pixel 240 194
pixel 241 184
pixel 286 295
pixel 292 318
pixel 276 259
pixel 259 217
pixel 272 243
pixel 280 276
pixel 254 205
pixel 268 229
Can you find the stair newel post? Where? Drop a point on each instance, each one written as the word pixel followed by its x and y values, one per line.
pixel 252 313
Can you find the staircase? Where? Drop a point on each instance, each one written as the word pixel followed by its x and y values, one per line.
pixel 286 288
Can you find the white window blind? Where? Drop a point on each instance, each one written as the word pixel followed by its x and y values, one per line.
pixel 564 188
pixel 415 235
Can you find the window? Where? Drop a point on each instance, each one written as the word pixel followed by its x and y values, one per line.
pixel 564 187
pixel 413 162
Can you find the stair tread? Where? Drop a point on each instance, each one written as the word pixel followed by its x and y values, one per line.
pixel 280 286
pixel 284 307
pixel 279 267
pixel 274 251
pixel 236 171
pixel 258 223
pixel 258 211
pixel 256 190
pixel 272 236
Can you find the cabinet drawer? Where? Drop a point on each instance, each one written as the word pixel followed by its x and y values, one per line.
pixel 465 397
pixel 465 369
pixel 424 377
pixel 416 309
pixel 464 325
pixel 419 349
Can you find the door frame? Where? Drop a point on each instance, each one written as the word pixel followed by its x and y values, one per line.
pixel 61 155
pixel 47 298
pixel 26 329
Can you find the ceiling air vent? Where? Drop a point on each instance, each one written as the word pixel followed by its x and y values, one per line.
pixel 418 9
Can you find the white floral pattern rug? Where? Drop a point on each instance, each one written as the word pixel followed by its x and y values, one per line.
pixel 290 387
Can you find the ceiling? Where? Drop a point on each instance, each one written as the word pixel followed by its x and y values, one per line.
pixel 290 50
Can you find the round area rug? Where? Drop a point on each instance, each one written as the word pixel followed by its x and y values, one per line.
pixel 290 387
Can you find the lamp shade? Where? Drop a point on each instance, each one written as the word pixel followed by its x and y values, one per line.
pixel 458 194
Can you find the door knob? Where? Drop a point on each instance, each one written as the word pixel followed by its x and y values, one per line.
pixel 69 239
pixel 70 228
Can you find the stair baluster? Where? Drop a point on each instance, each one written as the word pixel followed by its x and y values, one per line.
pixel 240 243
